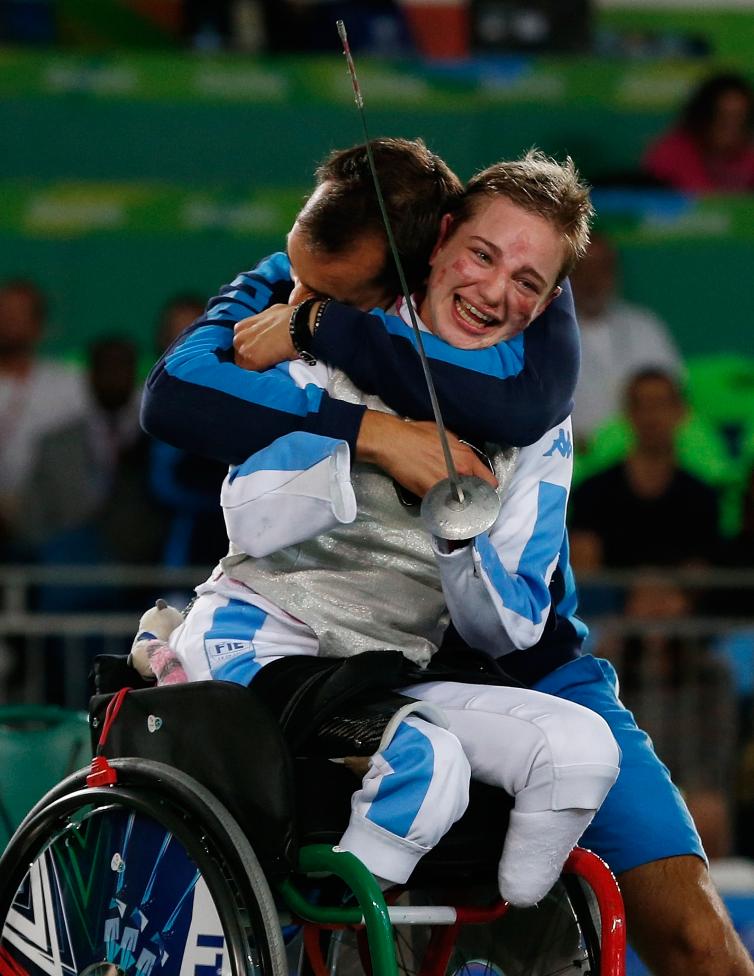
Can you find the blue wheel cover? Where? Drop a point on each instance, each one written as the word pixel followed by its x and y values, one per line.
pixel 114 893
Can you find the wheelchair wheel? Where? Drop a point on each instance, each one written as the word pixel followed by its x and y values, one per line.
pixel 149 877
pixel 558 937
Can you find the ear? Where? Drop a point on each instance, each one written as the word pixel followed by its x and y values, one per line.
pixel 551 298
pixel 445 225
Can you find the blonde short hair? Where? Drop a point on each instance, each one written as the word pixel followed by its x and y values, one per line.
pixel 540 185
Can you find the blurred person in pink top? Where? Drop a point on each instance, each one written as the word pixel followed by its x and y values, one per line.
pixel 710 149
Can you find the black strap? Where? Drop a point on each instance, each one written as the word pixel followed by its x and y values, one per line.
pixel 299 331
pixel 306 693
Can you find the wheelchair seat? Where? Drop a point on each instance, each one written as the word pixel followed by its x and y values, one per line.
pixel 223 736
pixel 197 827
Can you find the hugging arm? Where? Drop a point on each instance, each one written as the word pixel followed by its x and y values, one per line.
pixel 510 393
pixel 198 399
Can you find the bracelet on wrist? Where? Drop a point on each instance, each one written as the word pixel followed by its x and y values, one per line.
pixel 299 331
pixel 320 312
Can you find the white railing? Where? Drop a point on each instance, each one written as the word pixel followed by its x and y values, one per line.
pixel 22 620
pixel 688 678
pixel 47 655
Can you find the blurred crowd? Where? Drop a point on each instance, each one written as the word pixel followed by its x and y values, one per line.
pixel 445 28
pixel 80 482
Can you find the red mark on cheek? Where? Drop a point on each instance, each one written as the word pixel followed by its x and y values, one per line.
pixel 463 268
pixel 523 310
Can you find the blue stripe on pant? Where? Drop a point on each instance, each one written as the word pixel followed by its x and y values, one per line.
pixel 228 643
pixel 401 794
pixel 412 794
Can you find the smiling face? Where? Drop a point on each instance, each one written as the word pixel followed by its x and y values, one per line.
pixel 492 275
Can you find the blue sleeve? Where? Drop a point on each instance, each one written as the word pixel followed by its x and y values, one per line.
pixel 182 481
pixel 197 399
pixel 511 393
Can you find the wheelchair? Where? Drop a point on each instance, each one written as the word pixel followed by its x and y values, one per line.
pixel 196 845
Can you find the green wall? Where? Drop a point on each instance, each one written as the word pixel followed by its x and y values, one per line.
pixel 126 178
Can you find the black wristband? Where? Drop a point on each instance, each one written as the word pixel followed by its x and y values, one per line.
pixel 299 330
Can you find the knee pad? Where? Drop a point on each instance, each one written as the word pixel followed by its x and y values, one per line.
pixel 584 763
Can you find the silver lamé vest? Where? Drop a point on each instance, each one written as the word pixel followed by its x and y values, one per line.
pixel 370 585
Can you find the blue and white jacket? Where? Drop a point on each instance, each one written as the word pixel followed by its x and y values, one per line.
pixel 518 392
pixel 497 588
pixel 197 399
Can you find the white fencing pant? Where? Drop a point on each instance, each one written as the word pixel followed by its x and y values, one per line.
pixel 416 787
pixel 413 792
pixel 556 759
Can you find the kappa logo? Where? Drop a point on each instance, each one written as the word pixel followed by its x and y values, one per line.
pixel 561 444
pixel 220 648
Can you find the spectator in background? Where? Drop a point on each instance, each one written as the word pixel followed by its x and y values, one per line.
pixel 176 315
pixel 280 26
pixel 646 510
pixel 86 502
pixel 207 24
pixel 185 485
pixel 76 464
pixel 710 150
pixel 86 499
pixel 37 396
pixel 617 339
pixel 374 26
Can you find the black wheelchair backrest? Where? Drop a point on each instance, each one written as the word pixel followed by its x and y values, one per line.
pixel 222 735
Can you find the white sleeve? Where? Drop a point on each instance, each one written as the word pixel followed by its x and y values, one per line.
pixel 295 489
pixel 497 588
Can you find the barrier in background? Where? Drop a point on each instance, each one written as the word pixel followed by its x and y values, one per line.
pixel 689 679
pixel 39 746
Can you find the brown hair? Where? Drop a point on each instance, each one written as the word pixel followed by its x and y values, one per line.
pixel 701 109
pixel 539 185
pixel 417 186
pixel 31 291
pixel 650 374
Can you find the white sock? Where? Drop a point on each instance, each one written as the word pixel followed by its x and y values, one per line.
pixel 536 847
